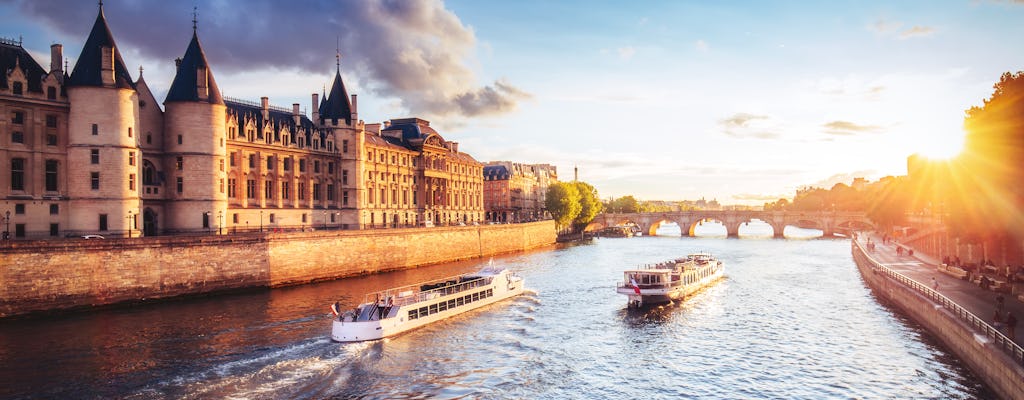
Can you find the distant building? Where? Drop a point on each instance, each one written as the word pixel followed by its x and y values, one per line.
pixel 91 151
pixel 516 192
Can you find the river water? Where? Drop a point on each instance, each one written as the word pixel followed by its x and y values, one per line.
pixel 791 320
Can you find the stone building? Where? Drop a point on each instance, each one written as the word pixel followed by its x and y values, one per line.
pixel 92 151
pixel 515 192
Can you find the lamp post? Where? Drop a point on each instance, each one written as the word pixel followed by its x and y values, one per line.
pixel 7 220
pixel 220 221
pixel 325 219
pixel 129 224
pixel 261 220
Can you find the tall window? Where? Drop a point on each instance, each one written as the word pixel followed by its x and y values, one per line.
pixel 250 189
pixel 131 158
pixel 252 161
pixel 94 156
pixel 231 187
pixel 270 163
pixel 285 188
pixel 17 117
pixel 316 191
pixel 268 190
pixel 51 93
pixel 16 88
pixel 94 177
pixel 344 177
pixel 344 197
pixel 302 165
pixel 181 185
pixel 330 168
pixel 17 174
pixel 103 222
pixel 330 192
pixel 95 129
pixel 148 173
pixel 179 163
pixel 316 166
pixel 51 175
pixel 131 182
pixel 344 146
pixel 301 189
pixel 51 121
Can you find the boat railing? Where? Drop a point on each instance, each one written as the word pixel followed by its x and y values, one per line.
pixel 688 276
pixel 412 294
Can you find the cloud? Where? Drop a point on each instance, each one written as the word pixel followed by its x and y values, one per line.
pixel 417 50
pixel 744 125
pixel 626 53
pixel 845 178
pixel 917 31
pixel 849 128
pixel 701 45
pixel 884 27
pixel 757 197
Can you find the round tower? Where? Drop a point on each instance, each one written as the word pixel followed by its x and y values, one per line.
pixel 103 151
pixel 194 146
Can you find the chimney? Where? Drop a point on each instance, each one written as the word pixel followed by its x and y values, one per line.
pixel 455 147
pixel 56 55
pixel 355 110
pixel 177 63
pixel 295 112
pixel 316 108
pixel 265 107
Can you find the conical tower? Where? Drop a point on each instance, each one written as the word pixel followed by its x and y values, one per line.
pixel 103 150
pixel 337 116
pixel 194 145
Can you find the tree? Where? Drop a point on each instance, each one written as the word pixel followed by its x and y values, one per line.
pixel 625 204
pixel 563 202
pixel 890 200
pixel 590 204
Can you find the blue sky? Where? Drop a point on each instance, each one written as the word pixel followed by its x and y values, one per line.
pixel 743 102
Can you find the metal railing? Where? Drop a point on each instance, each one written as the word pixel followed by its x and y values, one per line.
pixel 978 324
pixel 411 294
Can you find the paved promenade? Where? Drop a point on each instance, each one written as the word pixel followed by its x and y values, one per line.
pixel 921 268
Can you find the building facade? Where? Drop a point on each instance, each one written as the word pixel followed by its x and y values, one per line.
pixel 516 192
pixel 93 153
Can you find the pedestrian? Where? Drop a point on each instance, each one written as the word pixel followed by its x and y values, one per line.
pixel 1011 325
pixel 997 320
pixel 899 251
pixel 999 302
pixel 935 284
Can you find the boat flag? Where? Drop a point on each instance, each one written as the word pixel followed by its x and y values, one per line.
pixel 335 307
pixel 632 281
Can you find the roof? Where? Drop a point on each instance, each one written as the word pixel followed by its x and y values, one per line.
pixel 11 55
pixel 88 68
pixel 411 128
pixel 336 104
pixel 278 118
pixel 496 172
pixel 185 87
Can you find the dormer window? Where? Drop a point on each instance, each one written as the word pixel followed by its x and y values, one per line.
pixel 16 88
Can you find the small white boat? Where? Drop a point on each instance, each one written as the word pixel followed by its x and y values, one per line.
pixel 671 280
pixel 393 311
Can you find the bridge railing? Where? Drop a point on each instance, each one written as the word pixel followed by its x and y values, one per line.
pixel 978 324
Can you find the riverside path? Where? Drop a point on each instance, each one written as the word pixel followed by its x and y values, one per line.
pixel 922 268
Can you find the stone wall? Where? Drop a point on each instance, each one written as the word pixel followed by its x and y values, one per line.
pixel 54 275
pixel 979 352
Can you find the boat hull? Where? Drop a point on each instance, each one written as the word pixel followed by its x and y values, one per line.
pixel 666 294
pixel 398 320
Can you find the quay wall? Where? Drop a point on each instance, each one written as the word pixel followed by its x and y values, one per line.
pixel 983 349
pixel 38 276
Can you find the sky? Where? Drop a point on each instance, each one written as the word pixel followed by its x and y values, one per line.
pixel 742 102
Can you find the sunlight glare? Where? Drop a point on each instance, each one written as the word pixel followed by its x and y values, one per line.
pixel 944 145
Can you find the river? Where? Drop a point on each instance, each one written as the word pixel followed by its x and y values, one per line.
pixel 791 320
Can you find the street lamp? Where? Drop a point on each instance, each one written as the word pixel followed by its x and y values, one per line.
pixel 7 220
pixel 129 224
pixel 220 221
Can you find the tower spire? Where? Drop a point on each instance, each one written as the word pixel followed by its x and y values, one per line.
pixel 195 15
pixel 337 53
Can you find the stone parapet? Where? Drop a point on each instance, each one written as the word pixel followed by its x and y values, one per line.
pixel 53 275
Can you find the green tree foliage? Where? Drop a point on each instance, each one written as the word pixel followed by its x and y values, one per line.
pixel 624 204
pixel 590 204
pixel 563 202
pixel 889 201
pixel 777 205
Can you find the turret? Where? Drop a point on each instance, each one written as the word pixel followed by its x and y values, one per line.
pixel 103 152
pixel 194 145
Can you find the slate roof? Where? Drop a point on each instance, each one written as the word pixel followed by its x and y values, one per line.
pixel 411 128
pixel 496 172
pixel 185 87
pixel 277 119
pixel 87 70
pixel 336 105
pixel 12 55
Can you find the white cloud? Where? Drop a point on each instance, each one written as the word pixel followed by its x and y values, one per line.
pixel 626 53
pixel 701 45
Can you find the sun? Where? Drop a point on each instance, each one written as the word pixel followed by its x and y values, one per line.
pixel 943 145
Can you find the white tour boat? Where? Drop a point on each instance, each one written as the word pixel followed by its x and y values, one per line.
pixel 392 311
pixel 670 280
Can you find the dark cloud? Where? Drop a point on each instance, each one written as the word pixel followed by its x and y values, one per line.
pixel 414 50
pixel 849 128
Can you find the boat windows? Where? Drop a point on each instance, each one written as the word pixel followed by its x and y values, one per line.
pixel 450 304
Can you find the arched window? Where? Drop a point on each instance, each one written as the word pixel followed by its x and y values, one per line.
pixel 148 173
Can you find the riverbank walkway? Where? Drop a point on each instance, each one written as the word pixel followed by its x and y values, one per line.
pixel 969 295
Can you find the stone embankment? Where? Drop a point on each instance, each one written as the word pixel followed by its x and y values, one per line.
pixel 57 275
pixel 984 349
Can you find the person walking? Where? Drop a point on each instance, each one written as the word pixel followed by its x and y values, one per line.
pixel 935 284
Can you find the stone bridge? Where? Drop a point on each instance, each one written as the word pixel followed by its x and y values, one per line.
pixel 829 222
